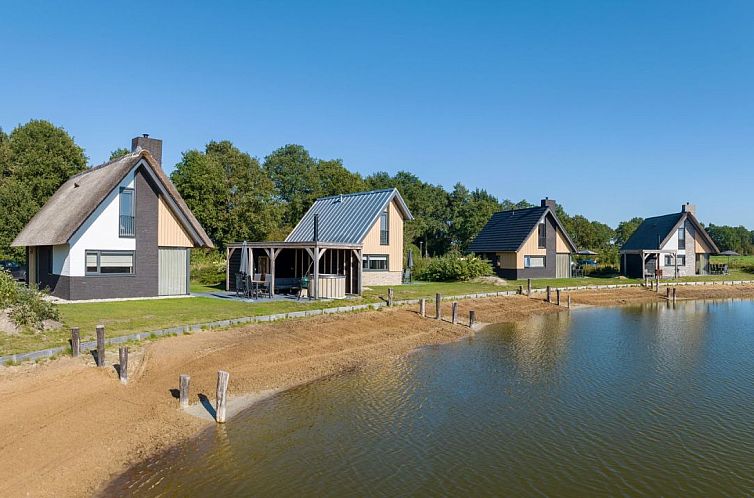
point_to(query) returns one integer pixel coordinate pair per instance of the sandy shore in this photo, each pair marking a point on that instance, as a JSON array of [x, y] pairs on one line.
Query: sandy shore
[[68, 427]]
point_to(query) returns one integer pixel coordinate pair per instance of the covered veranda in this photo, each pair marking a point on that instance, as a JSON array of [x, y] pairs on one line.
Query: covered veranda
[[650, 261], [333, 270]]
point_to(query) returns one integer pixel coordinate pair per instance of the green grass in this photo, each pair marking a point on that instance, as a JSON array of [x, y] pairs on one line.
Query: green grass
[[733, 261]]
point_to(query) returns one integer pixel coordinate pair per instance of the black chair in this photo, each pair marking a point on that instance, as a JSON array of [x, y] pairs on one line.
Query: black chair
[[240, 284]]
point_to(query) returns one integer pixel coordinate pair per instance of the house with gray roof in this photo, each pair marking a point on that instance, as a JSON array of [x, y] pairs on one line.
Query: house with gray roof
[[342, 243], [668, 246], [118, 230], [526, 243]]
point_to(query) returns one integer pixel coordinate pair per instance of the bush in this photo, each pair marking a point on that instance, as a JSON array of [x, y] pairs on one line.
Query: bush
[[451, 267], [207, 267], [27, 307]]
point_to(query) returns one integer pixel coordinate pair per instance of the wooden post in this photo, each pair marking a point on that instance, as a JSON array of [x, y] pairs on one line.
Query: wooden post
[[657, 280], [454, 312], [184, 381], [221, 396], [667, 293], [390, 296], [438, 303], [528, 287], [423, 307], [520, 290], [674, 289], [100, 345], [123, 364], [75, 342], [557, 296], [548, 294], [569, 301], [472, 318]]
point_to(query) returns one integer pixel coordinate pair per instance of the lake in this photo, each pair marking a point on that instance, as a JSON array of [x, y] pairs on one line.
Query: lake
[[641, 401]]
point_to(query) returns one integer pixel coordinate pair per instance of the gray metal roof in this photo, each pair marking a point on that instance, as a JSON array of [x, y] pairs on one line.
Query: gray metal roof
[[346, 218]]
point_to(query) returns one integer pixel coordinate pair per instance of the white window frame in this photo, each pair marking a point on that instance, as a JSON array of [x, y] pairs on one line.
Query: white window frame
[[99, 254], [367, 258], [528, 260]]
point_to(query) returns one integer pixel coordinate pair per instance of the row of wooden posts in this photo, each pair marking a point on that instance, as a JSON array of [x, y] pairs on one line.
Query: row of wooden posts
[[183, 381], [438, 310]]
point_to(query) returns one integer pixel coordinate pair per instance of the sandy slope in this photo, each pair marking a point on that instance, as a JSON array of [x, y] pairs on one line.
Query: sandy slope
[[66, 427]]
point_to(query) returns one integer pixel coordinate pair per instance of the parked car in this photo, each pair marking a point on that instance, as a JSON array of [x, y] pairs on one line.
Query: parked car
[[18, 271]]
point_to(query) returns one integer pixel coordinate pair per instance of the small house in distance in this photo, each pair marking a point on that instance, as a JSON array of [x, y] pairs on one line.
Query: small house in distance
[[668, 246], [342, 243], [118, 230], [526, 243]]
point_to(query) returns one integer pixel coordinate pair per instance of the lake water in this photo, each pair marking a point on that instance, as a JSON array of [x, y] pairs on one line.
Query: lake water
[[644, 400]]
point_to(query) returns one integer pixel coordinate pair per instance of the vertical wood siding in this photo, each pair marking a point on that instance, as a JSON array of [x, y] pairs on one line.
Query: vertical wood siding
[[395, 249], [173, 269], [530, 248], [170, 233], [561, 245]]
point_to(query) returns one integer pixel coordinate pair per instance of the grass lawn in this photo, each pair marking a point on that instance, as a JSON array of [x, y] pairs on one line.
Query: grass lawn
[[733, 261]]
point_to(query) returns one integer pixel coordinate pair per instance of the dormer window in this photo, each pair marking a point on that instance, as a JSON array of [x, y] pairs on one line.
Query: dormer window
[[126, 219]]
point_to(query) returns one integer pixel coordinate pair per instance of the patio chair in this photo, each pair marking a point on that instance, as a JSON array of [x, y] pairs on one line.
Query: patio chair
[[240, 284], [266, 287]]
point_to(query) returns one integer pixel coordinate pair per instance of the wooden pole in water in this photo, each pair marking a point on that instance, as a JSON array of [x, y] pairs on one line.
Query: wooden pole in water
[[557, 296], [438, 302], [390, 296], [472, 318], [454, 313], [123, 364], [184, 381], [221, 396], [569, 301], [528, 287], [549, 300], [100, 345], [667, 293], [423, 307], [75, 342], [674, 289]]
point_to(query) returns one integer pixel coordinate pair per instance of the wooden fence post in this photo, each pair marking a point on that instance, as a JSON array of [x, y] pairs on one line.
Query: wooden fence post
[[184, 381], [548, 294], [520, 290], [221, 396], [472, 318], [123, 364], [557, 296], [569, 301], [454, 313], [75, 342], [438, 303], [423, 307], [100, 345], [674, 289], [390, 296], [667, 293], [528, 287]]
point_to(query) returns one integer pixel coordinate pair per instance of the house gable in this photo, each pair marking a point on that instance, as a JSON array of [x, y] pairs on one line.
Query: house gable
[[394, 248], [170, 232]]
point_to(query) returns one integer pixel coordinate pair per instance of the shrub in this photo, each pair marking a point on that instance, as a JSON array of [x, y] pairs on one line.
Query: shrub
[[8, 289], [27, 306], [451, 267], [207, 267]]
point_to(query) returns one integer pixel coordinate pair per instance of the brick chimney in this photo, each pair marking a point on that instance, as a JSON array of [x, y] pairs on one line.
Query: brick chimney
[[689, 208], [153, 145], [547, 202]]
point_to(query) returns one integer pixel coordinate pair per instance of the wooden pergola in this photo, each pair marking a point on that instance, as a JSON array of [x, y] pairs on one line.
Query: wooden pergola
[[314, 259], [646, 253]]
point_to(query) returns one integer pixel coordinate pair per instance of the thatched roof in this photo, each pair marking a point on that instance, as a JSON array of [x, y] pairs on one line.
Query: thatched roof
[[80, 196]]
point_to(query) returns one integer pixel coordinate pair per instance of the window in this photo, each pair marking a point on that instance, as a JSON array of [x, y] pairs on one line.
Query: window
[[542, 236], [682, 238], [534, 261], [669, 260], [109, 262], [384, 229], [373, 262], [126, 228]]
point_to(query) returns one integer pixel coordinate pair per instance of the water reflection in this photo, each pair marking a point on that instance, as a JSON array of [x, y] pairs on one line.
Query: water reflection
[[649, 400]]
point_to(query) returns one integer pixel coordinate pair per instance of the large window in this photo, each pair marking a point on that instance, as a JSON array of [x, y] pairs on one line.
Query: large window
[[109, 262], [375, 262], [384, 229], [126, 228], [682, 238], [542, 236], [534, 261], [680, 258]]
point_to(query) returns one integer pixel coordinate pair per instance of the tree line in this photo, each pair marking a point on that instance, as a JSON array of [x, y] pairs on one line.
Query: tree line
[[236, 196]]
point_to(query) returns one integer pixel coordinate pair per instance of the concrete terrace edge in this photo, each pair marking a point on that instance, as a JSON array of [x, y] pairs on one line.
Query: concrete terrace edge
[[219, 324]]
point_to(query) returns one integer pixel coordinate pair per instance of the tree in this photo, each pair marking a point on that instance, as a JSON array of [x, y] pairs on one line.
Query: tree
[[118, 153], [35, 160], [470, 211], [228, 192], [728, 238], [291, 169], [625, 229], [332, 178]]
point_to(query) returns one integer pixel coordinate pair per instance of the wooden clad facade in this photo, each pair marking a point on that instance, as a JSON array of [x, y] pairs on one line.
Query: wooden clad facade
[[394, 248], [170, 233]]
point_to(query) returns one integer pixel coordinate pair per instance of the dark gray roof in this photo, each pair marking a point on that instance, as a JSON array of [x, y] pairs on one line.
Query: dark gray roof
[[71, 205], [346, 218], [652, 231], [508, 230]]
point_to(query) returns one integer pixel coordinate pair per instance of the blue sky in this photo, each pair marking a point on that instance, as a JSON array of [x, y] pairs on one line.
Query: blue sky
[[614, 108]]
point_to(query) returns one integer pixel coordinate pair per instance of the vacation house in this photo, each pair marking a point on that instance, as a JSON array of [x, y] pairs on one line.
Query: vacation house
[[668, 246], [342, 243], [117, 230], [526, 243]]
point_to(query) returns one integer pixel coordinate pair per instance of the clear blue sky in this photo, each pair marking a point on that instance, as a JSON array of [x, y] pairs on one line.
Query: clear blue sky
[[614, 108]]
